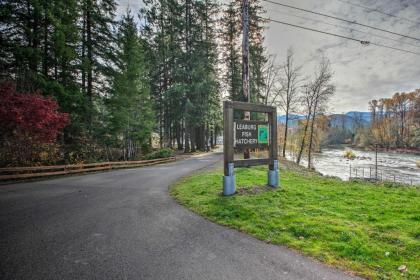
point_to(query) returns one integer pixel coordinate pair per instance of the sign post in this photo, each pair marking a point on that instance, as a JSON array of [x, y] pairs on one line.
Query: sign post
[[246, 134]]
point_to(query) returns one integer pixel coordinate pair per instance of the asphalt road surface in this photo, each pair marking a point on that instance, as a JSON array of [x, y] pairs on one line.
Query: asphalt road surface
[[124, 225]]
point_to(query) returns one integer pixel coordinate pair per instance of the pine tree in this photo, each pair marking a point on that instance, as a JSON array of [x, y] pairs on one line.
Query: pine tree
[[96, 48], [257, 53], [40, 53], [231, 34], [231, 53], [200, 69], [163, 31], [181, 36], [20, 41], [129, 106]]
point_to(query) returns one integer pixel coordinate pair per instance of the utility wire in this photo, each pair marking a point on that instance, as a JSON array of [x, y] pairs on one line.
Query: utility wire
[[378, 11], [348, 28], [341, 19], [365, 43]]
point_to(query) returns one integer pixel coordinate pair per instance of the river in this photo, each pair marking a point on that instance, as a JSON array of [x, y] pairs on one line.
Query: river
[[391, 166]]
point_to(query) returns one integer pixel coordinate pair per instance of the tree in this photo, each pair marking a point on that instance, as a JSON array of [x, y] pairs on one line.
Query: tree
[[231, 24], [130, 118], [96, 48], [231, 54], [289, 94], [27, 120], [257, 51], [314, 99], [394, 122], [321, 90], [184, 82], [40, 47], [307, 101]]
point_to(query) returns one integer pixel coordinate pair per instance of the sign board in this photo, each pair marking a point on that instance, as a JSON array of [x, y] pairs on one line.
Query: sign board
[[241, 134], [250, 134], [247, 134]]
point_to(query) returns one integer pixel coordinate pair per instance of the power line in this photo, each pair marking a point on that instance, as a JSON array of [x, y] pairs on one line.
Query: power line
[[392, 48], [378, 11], [365, 43], [348, 28], [341, 19]]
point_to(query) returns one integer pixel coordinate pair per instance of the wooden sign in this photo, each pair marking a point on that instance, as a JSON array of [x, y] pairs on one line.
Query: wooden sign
[[246, 134], [250, 134]]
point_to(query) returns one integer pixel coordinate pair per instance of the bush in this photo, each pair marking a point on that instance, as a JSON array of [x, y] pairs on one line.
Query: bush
[[162, 153], [349, 154], [29, 124]]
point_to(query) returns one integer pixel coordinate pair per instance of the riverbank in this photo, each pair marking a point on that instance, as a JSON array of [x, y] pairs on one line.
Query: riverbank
[[366, 228], [392, 166], [414, 151]]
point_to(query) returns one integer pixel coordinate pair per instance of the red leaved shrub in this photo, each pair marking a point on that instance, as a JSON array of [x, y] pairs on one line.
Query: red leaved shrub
[[27, 121]]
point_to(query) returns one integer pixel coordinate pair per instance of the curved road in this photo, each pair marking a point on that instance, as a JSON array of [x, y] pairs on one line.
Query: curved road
[[124, 225]]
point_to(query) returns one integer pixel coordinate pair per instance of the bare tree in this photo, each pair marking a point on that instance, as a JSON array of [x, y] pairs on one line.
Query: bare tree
[[271, 76], [288, 93], [307, 101], [321, 90]]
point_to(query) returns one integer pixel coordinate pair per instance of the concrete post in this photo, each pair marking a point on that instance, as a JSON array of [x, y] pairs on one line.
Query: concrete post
[[273, 175], [229, 181]]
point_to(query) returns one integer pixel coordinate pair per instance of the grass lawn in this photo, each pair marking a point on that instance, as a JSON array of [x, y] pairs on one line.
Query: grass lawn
[[357, 226]]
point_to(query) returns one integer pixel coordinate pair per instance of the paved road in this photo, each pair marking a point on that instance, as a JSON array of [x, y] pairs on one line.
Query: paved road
[[124, 225]]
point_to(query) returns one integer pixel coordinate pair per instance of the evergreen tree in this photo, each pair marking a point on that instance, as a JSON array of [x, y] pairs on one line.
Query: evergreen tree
[[183, 77], [40, 53], [257, 53], [163, 31], [232, 32], [21, 41], [130, 119], [96, 48], [231, 53]]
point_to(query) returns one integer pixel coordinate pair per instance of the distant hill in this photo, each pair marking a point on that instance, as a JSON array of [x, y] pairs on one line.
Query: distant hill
[[366, 116], [293, 120], [349, 120]]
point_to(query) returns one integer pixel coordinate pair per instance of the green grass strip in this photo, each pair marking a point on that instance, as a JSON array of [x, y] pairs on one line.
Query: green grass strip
[[358, 226]]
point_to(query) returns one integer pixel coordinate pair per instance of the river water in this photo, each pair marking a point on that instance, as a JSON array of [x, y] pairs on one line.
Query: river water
[[391, 166]]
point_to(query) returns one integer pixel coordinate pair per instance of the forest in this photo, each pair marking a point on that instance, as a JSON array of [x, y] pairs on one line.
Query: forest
[[395, 122], [80, 84], [107, 87]]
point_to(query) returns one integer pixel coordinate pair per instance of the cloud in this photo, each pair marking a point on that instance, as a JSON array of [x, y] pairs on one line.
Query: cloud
[[361, 72]]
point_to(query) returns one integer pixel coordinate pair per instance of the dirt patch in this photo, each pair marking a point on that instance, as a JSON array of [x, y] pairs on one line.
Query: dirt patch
[[253, 190]]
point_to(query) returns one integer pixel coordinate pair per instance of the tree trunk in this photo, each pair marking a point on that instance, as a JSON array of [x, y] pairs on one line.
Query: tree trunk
[[245, 62], [178, 136], [45, 55], [302, 144], [285, 133], [192, 138], [83, 54], [311, 135], [89, 57], [187, 138]]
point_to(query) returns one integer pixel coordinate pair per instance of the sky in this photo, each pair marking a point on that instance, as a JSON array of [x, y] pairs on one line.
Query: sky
[[361, 73]]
